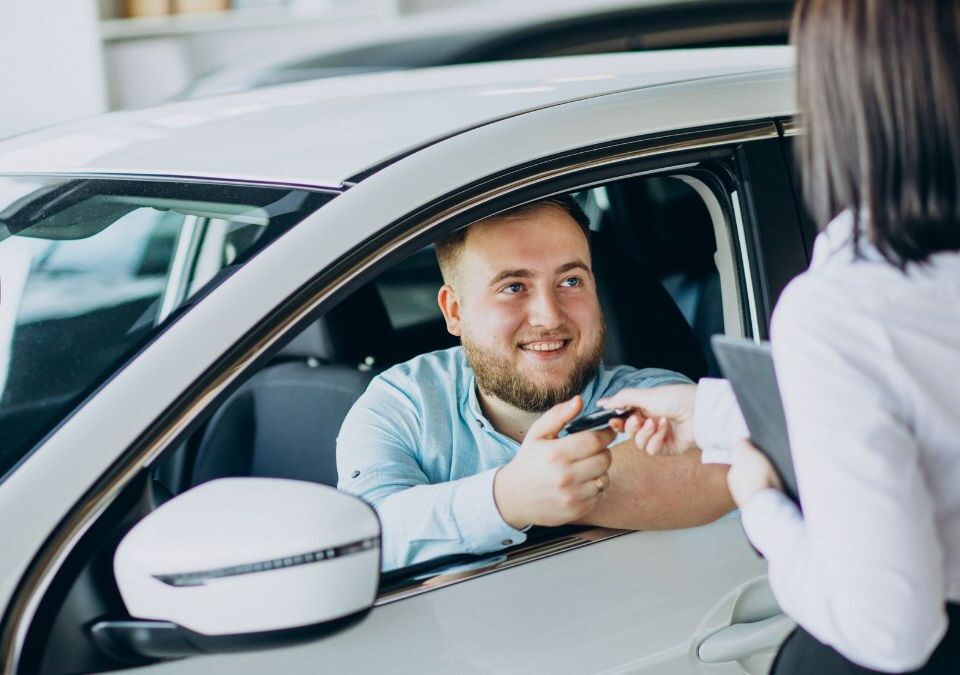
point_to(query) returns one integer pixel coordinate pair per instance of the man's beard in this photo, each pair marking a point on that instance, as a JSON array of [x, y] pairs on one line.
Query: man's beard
[[497, 376]]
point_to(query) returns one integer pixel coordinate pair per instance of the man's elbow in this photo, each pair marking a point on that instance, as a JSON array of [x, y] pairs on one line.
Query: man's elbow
[[664, 493], [703, 500]]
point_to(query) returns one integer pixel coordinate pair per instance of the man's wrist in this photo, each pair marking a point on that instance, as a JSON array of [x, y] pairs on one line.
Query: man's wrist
[[502, 499]]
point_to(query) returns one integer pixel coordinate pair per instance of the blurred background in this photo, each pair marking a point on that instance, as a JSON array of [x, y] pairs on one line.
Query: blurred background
[[66, 59]]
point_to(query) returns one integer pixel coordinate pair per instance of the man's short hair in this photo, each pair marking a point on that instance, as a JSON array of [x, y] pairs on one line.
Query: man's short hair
[[450, 247]]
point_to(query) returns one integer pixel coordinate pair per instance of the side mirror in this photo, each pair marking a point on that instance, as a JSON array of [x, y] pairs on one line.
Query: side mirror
[[243, 563]]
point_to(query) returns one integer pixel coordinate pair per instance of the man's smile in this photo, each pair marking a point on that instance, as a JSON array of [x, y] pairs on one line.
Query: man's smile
[[547, 349], [544, 345]]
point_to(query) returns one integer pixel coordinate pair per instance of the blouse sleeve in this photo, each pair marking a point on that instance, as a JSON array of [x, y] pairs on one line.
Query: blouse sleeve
[[861, 570]]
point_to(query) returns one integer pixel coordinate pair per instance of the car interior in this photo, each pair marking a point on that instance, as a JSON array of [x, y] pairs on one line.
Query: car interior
[[283, 422], [656, 246]]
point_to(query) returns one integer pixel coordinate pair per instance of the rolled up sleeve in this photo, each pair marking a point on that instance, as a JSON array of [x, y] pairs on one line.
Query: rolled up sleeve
[[377, 453], [717, 422]]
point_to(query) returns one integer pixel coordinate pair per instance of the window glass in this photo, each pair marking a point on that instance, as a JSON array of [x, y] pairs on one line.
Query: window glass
[[91, 268], [409, 290]]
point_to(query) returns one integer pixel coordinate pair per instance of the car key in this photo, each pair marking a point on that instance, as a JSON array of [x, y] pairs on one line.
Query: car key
[[596, 420]]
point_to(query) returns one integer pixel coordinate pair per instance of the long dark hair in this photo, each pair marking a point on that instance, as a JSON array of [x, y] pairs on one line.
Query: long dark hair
[[878, 83]]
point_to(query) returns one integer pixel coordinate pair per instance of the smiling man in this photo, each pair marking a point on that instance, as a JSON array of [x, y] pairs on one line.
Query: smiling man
[[458, 450]]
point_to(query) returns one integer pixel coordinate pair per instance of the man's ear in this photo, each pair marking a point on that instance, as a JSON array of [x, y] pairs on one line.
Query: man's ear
[[450, 306]]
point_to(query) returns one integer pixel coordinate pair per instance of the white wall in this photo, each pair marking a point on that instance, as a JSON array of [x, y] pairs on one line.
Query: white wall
[[152, 59], [59, 62], [51, 63], [410, 6]]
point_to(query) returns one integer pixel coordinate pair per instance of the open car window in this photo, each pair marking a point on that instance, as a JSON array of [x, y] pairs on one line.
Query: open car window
[[661, 244], [667, 232], [93, 268]]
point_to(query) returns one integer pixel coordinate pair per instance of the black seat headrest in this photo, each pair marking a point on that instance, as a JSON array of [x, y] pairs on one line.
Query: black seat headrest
[[356, 331], [676, 225], [645, 328]]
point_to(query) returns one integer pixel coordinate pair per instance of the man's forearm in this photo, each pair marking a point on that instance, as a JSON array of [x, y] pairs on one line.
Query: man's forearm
[[427, 521], [660, 493]]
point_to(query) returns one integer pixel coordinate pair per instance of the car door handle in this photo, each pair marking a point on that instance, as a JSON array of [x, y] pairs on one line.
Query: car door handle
[[743, 639]]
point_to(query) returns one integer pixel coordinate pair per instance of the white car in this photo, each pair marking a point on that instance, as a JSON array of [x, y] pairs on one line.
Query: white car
[[192, 296]]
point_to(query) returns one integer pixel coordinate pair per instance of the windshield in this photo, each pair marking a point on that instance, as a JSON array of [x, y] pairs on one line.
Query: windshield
[[92, 269]]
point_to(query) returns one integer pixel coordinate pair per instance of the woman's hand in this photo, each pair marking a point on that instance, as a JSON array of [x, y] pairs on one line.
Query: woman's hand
[[750, 473], [662, 421]]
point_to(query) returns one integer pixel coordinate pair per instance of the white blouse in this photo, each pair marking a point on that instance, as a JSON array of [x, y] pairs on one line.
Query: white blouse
[[868, 362]]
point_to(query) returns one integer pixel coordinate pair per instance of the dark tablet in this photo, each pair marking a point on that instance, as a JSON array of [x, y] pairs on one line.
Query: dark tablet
[[748, 366]]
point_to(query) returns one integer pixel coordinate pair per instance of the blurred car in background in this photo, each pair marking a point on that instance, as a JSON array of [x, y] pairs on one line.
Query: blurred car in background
[[502, 31]]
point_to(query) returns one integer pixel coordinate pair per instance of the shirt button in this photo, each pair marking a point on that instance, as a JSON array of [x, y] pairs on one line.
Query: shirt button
[[506, 542], [354, 474]]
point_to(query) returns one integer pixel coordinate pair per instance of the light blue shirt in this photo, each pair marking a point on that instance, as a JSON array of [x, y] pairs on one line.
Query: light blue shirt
[[417, 447]]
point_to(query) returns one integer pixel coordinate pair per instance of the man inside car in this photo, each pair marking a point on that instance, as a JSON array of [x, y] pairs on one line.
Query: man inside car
[[458, 450]]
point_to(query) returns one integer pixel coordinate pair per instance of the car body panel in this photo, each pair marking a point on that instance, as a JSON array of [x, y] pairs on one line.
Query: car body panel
[[83, 448], [657, 598], [324, 133]]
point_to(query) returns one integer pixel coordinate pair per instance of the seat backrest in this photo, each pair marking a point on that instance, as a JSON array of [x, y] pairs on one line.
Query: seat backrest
[[655, 259], [645, 328], [283, 423]]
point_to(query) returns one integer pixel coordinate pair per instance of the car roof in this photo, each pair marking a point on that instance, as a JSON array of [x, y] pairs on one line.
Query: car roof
[[325, 133], [478, 33]]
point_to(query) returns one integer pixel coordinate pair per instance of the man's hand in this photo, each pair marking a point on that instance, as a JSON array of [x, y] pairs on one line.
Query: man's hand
[[554, 481], [662, 421]]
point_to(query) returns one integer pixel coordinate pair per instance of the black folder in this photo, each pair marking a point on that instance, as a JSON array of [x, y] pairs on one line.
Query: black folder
[[748, 366]]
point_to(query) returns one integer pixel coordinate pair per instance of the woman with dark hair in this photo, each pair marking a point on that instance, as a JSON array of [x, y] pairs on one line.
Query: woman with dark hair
[[867, 349]]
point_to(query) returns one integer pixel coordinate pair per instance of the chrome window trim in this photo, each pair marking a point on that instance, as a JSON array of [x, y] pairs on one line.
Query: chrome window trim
[[499, 561], [791, 127], [49, 560], [747, 267], [179, 178]]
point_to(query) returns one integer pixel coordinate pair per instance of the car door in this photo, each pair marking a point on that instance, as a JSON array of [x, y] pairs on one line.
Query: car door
[[683, 601]]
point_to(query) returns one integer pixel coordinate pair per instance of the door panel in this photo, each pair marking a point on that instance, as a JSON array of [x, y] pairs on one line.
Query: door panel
[[639, 603]]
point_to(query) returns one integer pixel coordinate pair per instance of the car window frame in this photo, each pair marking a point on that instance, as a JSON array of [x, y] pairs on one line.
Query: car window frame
[[740, 320]]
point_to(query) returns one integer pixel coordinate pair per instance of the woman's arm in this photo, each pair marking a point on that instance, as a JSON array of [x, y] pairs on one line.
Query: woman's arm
[[862, 569]]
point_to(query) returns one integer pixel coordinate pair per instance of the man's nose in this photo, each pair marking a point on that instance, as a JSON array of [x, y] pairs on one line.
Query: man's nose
[[545, 310]]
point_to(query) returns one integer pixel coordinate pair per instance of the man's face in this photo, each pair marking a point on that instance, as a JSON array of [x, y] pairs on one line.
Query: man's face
[[525, 307]]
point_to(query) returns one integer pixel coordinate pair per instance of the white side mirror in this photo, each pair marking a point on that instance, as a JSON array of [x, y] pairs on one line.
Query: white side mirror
[[243, 562]]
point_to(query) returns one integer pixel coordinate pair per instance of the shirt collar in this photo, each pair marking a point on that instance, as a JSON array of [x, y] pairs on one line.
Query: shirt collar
[[835, 242], [474, 412]]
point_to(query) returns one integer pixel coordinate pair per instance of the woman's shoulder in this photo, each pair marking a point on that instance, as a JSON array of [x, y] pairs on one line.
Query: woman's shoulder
[[829, 305]]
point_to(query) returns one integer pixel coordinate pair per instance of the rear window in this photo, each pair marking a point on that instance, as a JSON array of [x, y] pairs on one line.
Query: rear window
[[92, 269]]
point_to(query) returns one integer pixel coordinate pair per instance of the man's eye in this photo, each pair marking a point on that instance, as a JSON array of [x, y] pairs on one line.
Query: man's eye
[[572, 282], [512, 288]]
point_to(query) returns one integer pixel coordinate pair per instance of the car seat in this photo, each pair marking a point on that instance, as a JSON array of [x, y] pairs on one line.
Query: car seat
[[645, 328], [283, 422], [659, 232]]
